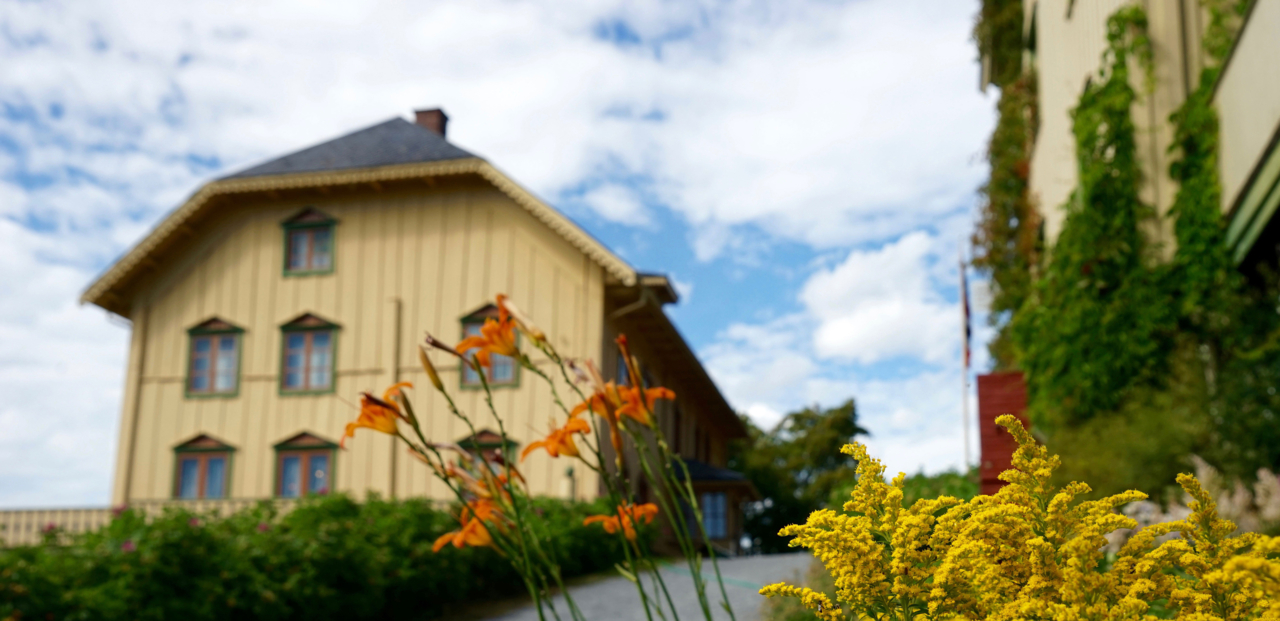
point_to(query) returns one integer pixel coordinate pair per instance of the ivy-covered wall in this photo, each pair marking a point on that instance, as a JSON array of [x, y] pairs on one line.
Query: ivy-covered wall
[[1133, 362]]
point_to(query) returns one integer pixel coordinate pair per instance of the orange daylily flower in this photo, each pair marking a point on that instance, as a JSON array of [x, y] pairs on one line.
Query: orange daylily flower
[[633, 374], [639, 403], [522, 320], [377, 414], [605, 402], [485, 487], [626, 519], [472, 531], [496, 337], [639, 400], [559, 441]]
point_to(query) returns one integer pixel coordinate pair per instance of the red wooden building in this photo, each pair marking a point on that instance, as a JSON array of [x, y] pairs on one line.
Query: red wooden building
[[998, 394]]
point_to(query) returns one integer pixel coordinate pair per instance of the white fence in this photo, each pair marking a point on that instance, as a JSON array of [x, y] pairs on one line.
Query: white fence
[[26, 526]]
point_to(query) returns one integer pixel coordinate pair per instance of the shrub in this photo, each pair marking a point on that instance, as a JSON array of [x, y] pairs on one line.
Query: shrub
[[330, 558], [1032, 550]]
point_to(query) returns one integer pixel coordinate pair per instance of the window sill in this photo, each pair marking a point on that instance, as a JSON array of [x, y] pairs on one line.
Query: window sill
[[305, 393], [289, 273], [491, 386], [212, 395]]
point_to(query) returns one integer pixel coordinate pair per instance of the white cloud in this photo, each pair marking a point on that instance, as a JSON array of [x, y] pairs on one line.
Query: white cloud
[[874, 305], [811, 121], [61, 371], [880, 304], [763, 415], [815, 121], [617, 203]]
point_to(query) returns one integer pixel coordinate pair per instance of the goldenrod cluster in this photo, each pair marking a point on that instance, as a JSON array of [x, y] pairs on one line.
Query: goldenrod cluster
[[1031, 551]]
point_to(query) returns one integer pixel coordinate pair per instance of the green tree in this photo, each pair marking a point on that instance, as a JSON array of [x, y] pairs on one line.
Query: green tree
[[795, 466]]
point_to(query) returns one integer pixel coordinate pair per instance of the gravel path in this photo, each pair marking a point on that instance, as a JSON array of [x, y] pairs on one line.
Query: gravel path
[[616, 598]]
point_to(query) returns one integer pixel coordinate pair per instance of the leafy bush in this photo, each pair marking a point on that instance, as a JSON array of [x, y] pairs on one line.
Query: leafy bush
[[330, 558]]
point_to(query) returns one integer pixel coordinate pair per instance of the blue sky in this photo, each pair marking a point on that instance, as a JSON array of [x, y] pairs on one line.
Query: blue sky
[[804, 169]]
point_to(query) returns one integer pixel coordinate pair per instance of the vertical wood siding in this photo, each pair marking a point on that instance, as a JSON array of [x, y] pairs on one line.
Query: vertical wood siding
[[437, 253]]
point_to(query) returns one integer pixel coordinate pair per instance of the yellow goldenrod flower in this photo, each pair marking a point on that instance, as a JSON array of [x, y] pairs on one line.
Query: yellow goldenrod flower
[[1030, 551], [813, 600]]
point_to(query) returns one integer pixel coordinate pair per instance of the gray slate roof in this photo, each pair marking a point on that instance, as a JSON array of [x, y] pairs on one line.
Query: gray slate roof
[[395, 141]]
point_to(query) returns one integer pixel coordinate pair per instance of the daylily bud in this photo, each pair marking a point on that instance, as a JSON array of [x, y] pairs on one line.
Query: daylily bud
[[522, 320], [429, 368], [432, 341], [579, 376]]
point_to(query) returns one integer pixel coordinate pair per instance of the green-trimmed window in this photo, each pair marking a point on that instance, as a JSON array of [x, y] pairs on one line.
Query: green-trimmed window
[[489, 448], [307, 359], [213, 367], [304, 466], [202, 469], [308, 243], [503, 370], [715, 514]]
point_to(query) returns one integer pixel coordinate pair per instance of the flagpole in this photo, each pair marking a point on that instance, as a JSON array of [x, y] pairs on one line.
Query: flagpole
[[964, 413], [964, 360]]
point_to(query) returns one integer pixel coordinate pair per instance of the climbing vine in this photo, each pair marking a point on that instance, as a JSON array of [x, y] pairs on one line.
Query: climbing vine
[[1095, 323], [1233, 324], [998, 34], [1007, 241], [1133, 362]]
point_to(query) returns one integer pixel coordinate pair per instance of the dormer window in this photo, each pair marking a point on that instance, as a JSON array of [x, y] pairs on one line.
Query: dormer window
[[308, 241], [489, 448], [307, 361], [213, 368], [502, 370]]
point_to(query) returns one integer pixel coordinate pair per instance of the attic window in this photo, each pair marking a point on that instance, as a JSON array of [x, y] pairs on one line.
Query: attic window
[[202, 465], [307, 360], [489, 447], [502, 370], [213, 367], [308, 242]]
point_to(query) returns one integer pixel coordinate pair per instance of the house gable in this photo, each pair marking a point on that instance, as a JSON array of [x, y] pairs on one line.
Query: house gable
[[351, 168]]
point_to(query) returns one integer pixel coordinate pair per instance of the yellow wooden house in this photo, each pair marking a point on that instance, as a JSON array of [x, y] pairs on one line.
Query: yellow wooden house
[[267, 302]]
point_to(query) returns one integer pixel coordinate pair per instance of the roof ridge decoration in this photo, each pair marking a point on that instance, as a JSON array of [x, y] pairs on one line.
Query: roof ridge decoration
[[100, 291]]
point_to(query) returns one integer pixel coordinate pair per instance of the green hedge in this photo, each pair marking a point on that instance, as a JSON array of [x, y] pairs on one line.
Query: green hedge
[[330, 558]]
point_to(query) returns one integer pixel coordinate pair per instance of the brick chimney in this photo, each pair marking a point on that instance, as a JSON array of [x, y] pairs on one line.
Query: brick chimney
[[433, 119]]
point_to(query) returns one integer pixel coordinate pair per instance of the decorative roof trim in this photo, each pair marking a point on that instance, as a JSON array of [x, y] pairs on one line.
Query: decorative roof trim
[[101, 289]]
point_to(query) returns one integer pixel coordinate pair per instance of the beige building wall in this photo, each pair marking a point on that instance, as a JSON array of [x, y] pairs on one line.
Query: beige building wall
[[405, 263], [1069, 52], [1248, 101]]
